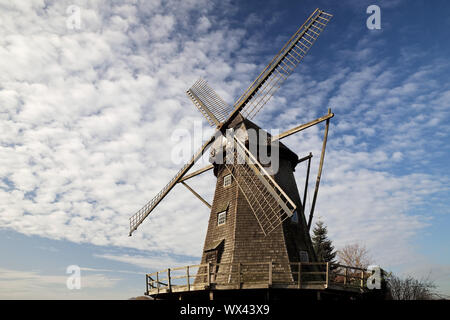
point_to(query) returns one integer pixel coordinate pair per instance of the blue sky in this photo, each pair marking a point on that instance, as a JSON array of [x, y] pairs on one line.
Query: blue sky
[[90, 118]]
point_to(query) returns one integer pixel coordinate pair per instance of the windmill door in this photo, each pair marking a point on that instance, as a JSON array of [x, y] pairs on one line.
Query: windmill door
[[213, 254]]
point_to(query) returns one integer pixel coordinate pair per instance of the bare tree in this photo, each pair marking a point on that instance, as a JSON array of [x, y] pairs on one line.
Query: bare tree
[[410, 288], [354, 255]]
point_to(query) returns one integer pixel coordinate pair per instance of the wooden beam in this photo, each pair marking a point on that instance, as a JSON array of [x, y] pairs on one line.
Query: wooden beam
[[306, 185], [303, 127], [196, 173], [140, 216], [196, 194], [319, 173], [309, 156]]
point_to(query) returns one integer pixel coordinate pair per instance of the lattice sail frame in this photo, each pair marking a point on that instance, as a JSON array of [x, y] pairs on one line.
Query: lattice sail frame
[[209, 103], [268, 202], [140, 215], [283, 64]]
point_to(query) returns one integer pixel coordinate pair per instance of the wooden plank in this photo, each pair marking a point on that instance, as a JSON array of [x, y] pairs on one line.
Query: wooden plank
[[309, 156], [196, 173], [319, 173], [302, 127], [196, 194], [188, 279], [140, 216], [362, 279], [350, 267], [305, 192], [169, 280]]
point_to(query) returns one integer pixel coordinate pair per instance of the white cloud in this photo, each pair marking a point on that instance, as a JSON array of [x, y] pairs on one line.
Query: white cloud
[[16, 284], [204, 24], [150, 263], [161, 26], [83, 121]]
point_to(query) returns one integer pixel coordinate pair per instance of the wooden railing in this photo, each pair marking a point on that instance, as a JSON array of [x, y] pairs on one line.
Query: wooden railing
[[264, 274]]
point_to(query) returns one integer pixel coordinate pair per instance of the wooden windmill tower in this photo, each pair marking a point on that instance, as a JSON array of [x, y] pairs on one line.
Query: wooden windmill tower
[[257, 214]]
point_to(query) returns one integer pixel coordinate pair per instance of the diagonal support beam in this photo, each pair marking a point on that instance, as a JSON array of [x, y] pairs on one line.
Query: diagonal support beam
[[139, 217], [305, 192], [302, 127], [196, 173], [319, 173], [196, 194], [308, 157]]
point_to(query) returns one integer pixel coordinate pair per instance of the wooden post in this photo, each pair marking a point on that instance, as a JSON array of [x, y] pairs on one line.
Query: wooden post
[[196, 173], [346, 276], [168, 280], [306, 184], [157, 281], [188, 280], [146, 284], [362, 279], [299, 280], [319, 173], [327, 276]]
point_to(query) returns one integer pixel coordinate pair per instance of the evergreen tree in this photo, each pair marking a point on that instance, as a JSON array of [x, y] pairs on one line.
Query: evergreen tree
[[322, 245]]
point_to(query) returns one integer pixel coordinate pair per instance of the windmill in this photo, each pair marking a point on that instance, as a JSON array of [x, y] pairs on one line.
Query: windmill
[[257, 213]]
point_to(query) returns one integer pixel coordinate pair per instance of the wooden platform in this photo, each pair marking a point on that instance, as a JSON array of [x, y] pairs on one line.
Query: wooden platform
[[320, 277]]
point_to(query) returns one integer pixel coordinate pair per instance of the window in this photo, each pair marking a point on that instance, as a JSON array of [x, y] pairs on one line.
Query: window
[[227, 180], [304, 256], [221, 218]]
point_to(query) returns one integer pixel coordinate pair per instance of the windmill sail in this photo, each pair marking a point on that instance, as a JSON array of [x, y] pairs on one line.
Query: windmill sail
[[282, 65], [140, 216], [210, 104], [269, 203]]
